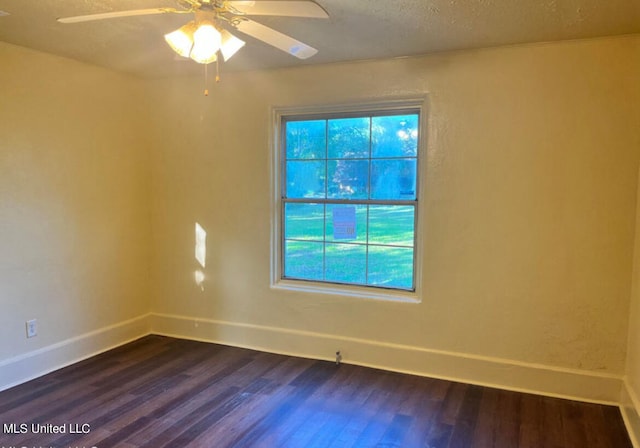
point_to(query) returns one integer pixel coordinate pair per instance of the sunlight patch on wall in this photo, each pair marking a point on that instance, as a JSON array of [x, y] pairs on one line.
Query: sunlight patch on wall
[[201, 254], [201, 245]]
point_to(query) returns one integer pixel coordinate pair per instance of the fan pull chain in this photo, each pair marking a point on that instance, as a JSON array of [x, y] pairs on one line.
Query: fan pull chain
[[206, 76], [206, 91]]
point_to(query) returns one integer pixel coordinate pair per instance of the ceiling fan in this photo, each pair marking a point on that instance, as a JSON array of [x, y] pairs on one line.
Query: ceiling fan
[[202, 38]]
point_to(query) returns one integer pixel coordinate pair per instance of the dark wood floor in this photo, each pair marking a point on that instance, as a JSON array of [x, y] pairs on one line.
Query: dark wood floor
[[162, 392]]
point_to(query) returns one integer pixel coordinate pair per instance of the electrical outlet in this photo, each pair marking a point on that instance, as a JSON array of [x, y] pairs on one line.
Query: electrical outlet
[[32, 328]]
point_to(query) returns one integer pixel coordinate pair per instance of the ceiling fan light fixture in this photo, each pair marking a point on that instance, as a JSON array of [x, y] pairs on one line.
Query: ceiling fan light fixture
[[181, 40], [202, 38], [206, 43], [230, 44]]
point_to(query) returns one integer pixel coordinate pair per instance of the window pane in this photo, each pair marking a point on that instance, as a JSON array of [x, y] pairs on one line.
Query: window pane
[[306, 139], [349, 138], [305, 180], [361, 223], [303, 260], [391, 224], [391, 267], [393, 179], [394, 136], [304, 221], [346, 263], [349, 187], [348, 179]]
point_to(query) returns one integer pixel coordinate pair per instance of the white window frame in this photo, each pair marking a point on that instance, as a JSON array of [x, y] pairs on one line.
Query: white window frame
[[360, 291]]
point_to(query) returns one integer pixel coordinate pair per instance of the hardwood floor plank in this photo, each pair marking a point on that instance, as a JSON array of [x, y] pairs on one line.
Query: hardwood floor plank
[[197, 388], [616, 433], [507, 431], [304, 385], [217, 414], [462, 436], [174, 431], [379, 415], [396, 432], [327, 433], [552, 422], [424, 413], [439, 435], [364, 383], [332, 407], [484, 434], [452, 403], [531, 424], [162, 392], [125, 432], [575, 435]]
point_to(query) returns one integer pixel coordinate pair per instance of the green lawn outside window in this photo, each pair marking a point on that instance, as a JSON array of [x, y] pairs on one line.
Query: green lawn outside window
[[349, 198]]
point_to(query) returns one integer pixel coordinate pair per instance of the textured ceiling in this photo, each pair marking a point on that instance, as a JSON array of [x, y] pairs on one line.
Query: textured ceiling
[[355, 30]]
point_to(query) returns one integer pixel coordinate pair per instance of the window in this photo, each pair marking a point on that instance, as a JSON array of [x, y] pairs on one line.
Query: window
[[348, 197]]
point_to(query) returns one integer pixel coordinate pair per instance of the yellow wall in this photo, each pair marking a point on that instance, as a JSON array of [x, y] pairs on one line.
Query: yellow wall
[[631, 392], [530, 201], [74, 219], [531, 174], [630, 396]]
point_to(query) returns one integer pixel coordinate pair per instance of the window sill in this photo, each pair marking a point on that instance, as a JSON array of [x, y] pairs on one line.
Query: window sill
[[361, 292]]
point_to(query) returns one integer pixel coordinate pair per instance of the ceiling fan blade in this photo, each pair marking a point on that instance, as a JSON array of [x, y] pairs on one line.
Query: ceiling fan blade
[[281, 8], [277, 39], [115, 14]]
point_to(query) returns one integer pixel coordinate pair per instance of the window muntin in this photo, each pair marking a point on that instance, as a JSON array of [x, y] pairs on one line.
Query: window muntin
[[349, 198]]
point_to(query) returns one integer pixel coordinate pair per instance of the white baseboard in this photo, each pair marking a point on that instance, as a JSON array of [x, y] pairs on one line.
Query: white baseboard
[[486, 371], [22, 368], [472, 369], [630, 409]]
